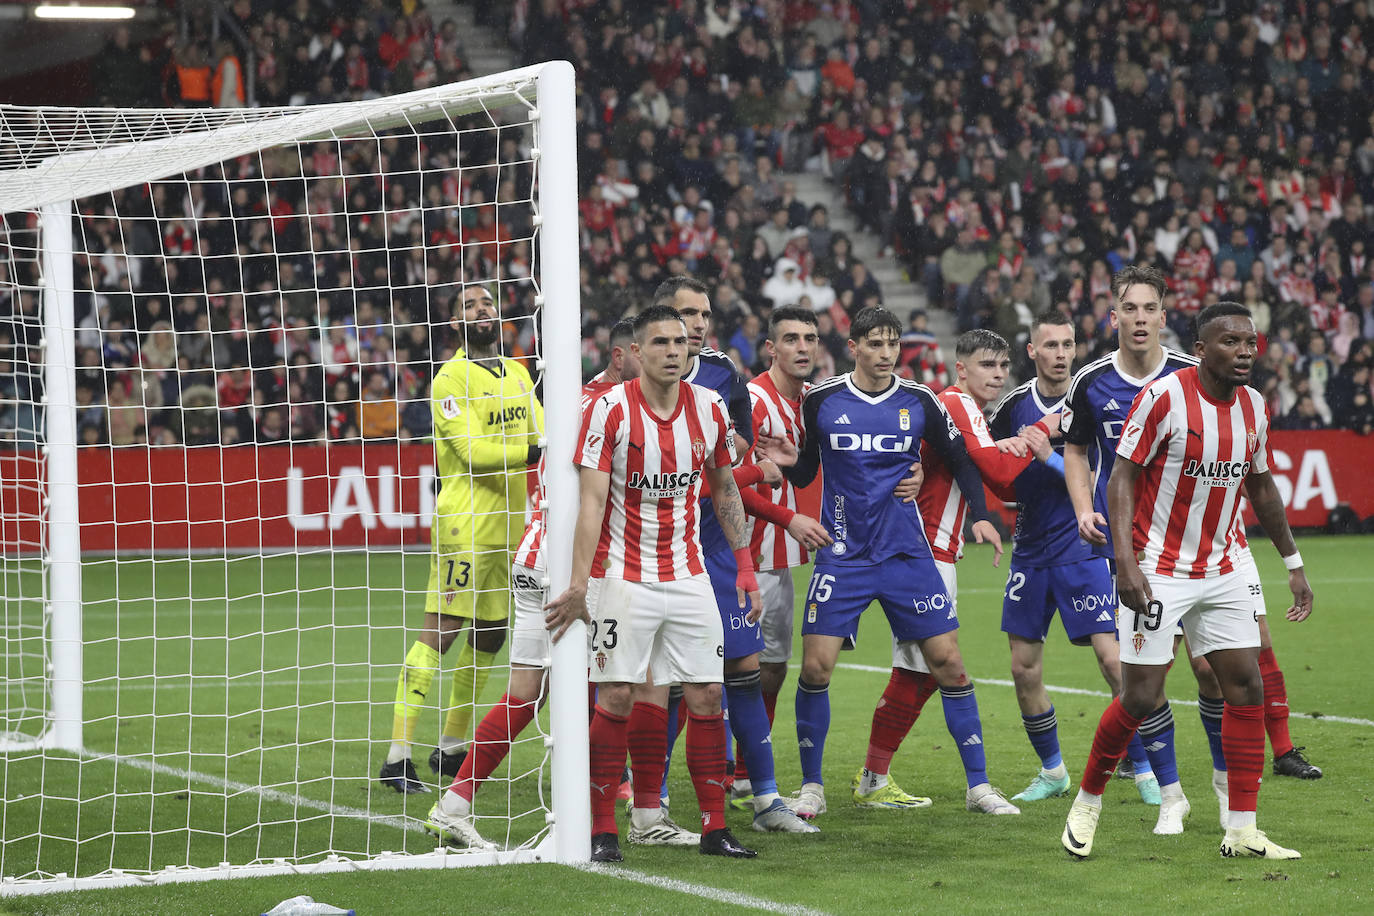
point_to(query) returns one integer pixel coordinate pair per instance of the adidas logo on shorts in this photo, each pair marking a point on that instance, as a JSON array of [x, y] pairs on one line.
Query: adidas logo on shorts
[[1104, 617]]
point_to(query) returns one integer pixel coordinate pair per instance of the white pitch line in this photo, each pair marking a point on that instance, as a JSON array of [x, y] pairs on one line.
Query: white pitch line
[[298, 801], [272, 795], [704, 891], [1078, 691]]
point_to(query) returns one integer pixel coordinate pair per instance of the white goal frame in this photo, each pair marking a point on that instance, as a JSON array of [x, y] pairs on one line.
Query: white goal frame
[[52, 186]]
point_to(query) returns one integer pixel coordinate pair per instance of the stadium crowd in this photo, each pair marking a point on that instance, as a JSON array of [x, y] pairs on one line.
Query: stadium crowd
[[1012, 154]]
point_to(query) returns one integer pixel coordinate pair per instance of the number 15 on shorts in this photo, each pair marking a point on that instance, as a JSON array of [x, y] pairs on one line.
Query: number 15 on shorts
[[818, 593]]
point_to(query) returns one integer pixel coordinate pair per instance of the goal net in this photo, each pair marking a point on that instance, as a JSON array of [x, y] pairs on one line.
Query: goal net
[[218, 476]]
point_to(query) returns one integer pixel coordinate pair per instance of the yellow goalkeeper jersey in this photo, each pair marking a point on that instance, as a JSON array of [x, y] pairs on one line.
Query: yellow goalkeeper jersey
[[486, 417]]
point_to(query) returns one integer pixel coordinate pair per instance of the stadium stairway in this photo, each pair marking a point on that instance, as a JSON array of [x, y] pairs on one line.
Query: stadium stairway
[[489, 51], [899, 293]]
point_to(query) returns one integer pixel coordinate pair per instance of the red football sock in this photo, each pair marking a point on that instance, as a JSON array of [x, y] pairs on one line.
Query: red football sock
[[897, 710], [706, 763], [607, 738], [770, 703], [1275, 703], [648, 744], [491, 743], [741, 768], [1114, 732], [1242, 741]]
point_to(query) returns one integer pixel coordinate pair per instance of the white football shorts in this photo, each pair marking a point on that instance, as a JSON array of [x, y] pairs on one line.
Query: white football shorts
[[908, 654], [775, 586], [672, 626], [1215, 613], [529, 640]]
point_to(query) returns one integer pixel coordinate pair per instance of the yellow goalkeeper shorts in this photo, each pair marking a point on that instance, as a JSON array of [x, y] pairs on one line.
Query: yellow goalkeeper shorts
[[474, 584]]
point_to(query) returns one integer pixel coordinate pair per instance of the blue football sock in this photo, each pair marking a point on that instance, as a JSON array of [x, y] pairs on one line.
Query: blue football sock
[[1210, 710], [1157, 734], [1043, 731], [961, 718], [729, 745], [749, 724], [674, 702], [813, 722], [1140, 761]]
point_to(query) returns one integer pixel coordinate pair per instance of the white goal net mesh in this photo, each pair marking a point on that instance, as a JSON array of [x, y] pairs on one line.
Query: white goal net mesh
[[260, 300]]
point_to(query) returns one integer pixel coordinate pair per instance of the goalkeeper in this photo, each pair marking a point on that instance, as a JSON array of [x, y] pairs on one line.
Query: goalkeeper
[[487, 423]]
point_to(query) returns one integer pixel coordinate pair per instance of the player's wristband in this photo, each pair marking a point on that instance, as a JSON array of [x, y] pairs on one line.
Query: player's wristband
[[1055, 462], [745, 579], [1292, 561], [1040, 425]]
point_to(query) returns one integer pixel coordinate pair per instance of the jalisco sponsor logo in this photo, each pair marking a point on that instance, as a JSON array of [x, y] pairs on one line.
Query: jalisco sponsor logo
[[665, 486]]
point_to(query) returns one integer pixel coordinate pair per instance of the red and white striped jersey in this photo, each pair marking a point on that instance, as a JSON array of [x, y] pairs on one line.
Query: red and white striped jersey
[[1196, 454], [652, 528], [775, 415], [530, 552], [940, 500]]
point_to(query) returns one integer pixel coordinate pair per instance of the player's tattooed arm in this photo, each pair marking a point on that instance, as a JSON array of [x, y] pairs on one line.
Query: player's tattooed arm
[[730, 512], [572, 604], [1268, 505], [1131, 586]]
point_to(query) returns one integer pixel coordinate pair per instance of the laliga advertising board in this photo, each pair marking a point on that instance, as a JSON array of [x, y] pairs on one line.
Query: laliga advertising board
[[382, 496]]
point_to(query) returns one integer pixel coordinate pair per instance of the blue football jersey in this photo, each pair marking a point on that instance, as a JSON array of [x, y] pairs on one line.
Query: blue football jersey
[[1046, 528], [1099, 400], [864, 444], [716, 371]]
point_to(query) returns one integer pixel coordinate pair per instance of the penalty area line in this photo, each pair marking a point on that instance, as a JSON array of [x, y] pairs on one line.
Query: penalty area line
[[704, 891], [1079, 691]]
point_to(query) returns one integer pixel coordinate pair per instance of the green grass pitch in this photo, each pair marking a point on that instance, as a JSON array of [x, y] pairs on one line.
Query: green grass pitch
[[271, 711]]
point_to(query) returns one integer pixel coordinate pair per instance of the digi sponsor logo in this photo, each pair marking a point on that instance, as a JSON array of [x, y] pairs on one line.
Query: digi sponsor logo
[[1217, 473], [867, 442]]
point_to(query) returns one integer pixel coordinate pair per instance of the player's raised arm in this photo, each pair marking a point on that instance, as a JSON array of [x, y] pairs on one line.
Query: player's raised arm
[[730, 512], [1078, 478], [798, 466], [946, 439], [1131, 586]]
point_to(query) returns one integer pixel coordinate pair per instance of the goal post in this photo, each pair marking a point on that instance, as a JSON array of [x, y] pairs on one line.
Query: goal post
[[208, 590]]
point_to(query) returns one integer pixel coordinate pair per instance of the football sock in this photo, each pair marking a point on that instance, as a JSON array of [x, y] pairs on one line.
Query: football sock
[[1114, 731], [1242, 735], [1209, 709], [706, 764], [961, 718], [421, 664], [491, 743], [729, 745], [1275, 703], [770, 703], [749, 723], [1157, 734], [647, 740], [1140, 761], [1043, 731], [607, 738], [677, 721], [813, 722], [474, 666], [897, 710]]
